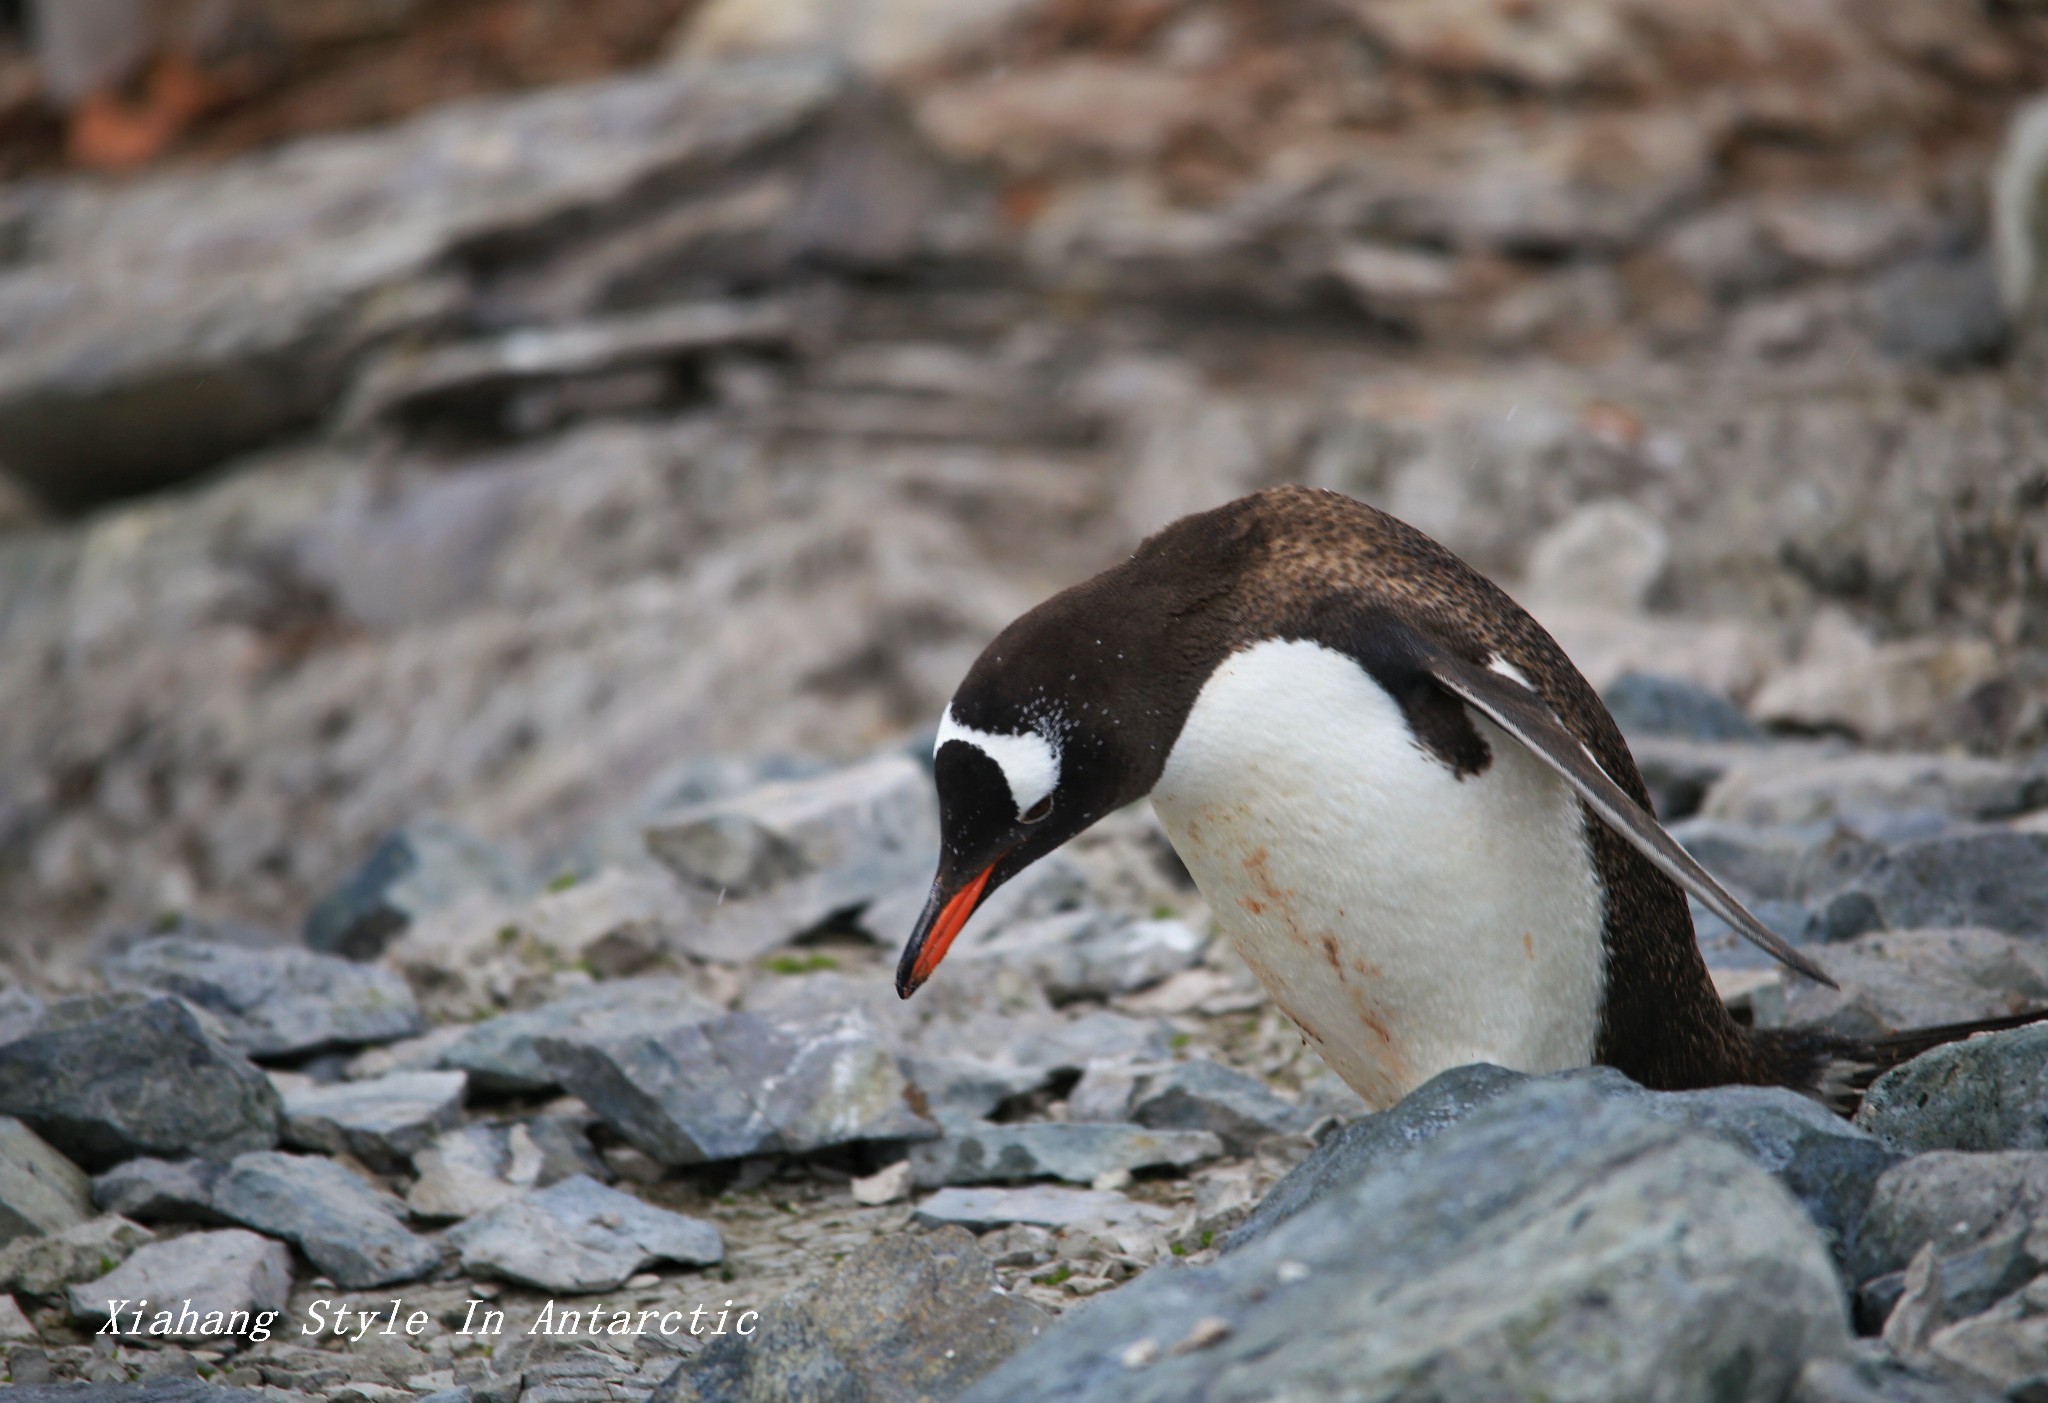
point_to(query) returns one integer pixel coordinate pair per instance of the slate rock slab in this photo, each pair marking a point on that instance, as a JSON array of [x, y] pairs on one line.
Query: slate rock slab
[[1776, 784], [43, 1266], [1957, 1201], [580, 1236], [1997, 880], [1087, 954], [1650, 705], [1350, 1152], [472, 1170], [274, 1003], [1556, 1243], [970, 1153], [1039, 1205], [382, 1121], [776, 861], [160, 1190], [345, 1227], [741, 1085], [1987, 1093], [106, 1079], [1828, 1166], [1896, 979], [502, 1054], [129, 360], [41, 1192], [903, 1319], [223, 1271], [1238, 1108], [968, 1087], [421, 868]]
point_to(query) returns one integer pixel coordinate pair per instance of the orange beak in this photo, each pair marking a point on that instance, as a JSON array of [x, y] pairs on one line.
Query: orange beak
[[936, 928]]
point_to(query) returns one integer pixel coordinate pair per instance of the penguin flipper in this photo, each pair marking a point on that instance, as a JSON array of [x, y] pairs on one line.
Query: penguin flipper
[[1528, 718]]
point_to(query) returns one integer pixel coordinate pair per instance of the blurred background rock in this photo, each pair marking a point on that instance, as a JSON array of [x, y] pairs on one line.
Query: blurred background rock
[[485, 406]]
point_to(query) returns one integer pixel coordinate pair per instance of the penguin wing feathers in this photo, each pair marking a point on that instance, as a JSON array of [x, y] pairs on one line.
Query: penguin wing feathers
[[1528, 718]]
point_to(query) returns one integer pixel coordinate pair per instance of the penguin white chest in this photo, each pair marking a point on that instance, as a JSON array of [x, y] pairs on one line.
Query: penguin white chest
[[1407, 919]]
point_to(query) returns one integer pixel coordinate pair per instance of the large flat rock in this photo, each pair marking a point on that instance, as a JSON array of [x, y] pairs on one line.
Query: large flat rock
[[1556, 1243], [741, 1085], [158, 326], [274, 1003], [107, 1078], [579, 1236], [907, 1317], [1829, 1166]]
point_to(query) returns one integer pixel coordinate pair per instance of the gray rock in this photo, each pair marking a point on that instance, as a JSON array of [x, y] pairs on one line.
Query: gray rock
[[904, 1318], [967, 1087], [565, 1149], [345, 1227], [741, 1085], [526, 382], [1048, 887], [502, 1053], [1087, 954], [1762, 862], [1994, 880], [382, 1122], [1557, 1241], [128, 360], [1987, 1093], [107, 1079], [1203, 1095], [224, 1271], [969, 1153], [778, 860], [1955, 1200], [43, 1266], [472, 1170], [160, 1190], [1877, 1380], [1777, 788], [421, 868], [1940, 311], [41, 1192], [469, 1171], [1648, 705], [274, 1003], [1680, 773], [1893, 980], [1830, 1167], [1350, 1152], [580, 1236], [20, 1012], [1039, 1205], [1964, 1283], [1071, 1044]]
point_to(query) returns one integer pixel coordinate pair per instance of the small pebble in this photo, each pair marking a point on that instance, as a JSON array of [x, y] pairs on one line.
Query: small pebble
[[1209, 1330]]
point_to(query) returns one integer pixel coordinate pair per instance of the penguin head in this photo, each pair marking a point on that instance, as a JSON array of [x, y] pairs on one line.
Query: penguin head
[[1026, 759], [1071, 711]]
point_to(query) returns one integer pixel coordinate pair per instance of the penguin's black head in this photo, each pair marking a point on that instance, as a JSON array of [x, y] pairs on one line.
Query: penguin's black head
[[1048, 734], [1069, 715]]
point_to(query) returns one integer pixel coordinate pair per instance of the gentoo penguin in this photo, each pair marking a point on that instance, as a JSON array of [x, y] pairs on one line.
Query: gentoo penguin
[[1404, 805]]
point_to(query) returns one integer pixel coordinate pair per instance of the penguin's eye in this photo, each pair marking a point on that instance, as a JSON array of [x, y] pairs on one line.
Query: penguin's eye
[[1038, 810]]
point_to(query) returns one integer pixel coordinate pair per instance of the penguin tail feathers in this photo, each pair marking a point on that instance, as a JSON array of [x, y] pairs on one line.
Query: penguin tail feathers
[[1837, 1070]]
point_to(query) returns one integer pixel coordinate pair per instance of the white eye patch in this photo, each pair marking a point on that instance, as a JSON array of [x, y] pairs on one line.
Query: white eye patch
[[1030, 762]]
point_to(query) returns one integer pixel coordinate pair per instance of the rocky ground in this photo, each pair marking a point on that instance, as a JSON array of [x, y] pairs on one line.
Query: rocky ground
[[458, 823]]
